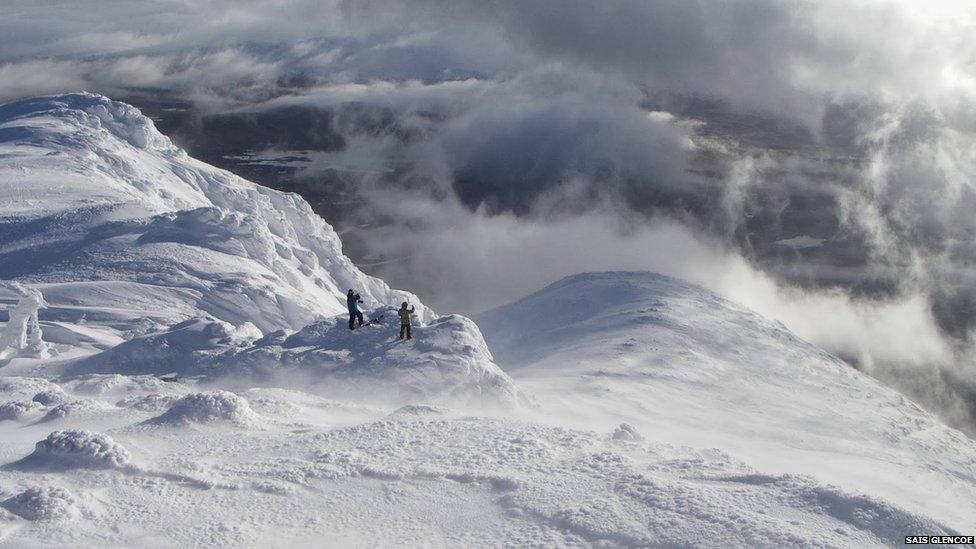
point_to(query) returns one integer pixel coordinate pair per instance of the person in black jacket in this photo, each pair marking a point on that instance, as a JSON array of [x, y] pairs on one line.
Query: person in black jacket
[[352, 301]]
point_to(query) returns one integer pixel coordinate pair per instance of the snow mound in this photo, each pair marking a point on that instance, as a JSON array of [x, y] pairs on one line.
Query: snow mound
[[17, 409], [104, 384], [182, 348], [208, 407], [48, 503], [276, 337], [25, 387], [100, 116], [415, 412], [74, 449], [627, 432], [153, 402], [446, 362], [302, 407], [51, 397], [83, 407]]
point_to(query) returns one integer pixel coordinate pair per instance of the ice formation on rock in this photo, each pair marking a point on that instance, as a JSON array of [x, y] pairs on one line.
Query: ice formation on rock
[[22, 335]]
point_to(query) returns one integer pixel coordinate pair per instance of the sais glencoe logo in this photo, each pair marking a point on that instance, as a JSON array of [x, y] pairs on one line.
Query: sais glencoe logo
[[940, 540]]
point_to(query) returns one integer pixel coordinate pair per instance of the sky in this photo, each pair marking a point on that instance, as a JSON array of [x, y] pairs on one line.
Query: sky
[[490, 147]]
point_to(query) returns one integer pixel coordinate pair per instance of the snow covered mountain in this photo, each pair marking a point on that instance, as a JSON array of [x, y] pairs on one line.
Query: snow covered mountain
[[637, 410], [113, 222], [126, 238], [678, 361]]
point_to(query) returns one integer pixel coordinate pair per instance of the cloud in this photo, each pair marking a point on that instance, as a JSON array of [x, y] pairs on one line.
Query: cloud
[[784, 57], [38, 77], [238, 75], [460, 260]]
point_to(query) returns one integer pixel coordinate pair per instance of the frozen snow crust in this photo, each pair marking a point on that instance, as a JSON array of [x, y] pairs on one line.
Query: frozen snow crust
[[596, 490]]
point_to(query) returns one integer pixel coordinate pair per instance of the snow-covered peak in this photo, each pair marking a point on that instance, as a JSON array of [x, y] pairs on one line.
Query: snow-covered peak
[[111, 221], [571, 312], [95, 112], [676, 360]]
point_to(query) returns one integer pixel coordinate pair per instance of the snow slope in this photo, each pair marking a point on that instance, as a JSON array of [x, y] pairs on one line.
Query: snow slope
[[687, 367], [113, 222], [657, 414], [274, 468]]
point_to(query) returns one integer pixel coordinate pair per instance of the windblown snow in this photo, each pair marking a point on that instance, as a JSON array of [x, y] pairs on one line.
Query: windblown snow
[[176, 370]]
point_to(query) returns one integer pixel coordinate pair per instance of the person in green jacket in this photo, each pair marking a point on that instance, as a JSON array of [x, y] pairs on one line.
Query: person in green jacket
[[404, 315]]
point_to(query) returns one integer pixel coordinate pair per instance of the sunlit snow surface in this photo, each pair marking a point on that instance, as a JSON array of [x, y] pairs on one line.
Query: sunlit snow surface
[[636, 410]]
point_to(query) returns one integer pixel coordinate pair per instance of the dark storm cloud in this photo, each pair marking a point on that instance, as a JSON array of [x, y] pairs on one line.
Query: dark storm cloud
[[764, 54], [675, 45], [508, 154]]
